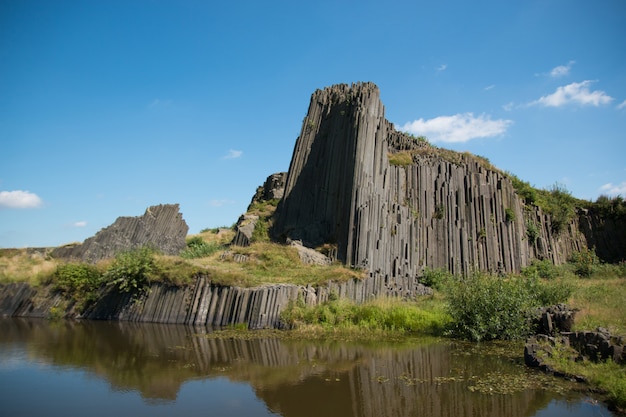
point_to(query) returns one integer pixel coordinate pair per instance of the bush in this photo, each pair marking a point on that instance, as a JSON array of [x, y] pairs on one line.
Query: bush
[[509, 215], [261, 231], [77, 278], [199, 248], [560, 205], [78, 281], [523, 189], [610, 207], [532, 232], [130, 270], [436, 278], [540, 269], [585, 262], [485, 307]]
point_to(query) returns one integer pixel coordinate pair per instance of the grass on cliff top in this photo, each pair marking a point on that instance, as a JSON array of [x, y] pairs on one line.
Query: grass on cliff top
[[269, 263], [19, 265]]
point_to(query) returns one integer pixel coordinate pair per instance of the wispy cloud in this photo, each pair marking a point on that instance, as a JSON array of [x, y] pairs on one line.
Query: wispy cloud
[[233, 154], [622, 105], [561, 70], [457, 128], [509, 106], [614, 189], [574, 93], [441, 67], [19, 199], [490, 87], [220, 203], [81, 223]]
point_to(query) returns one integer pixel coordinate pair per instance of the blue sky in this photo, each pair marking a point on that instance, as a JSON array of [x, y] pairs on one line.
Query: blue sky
[[108, 107]]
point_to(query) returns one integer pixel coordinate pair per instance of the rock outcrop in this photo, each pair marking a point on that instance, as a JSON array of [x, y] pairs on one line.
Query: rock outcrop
[[442, 209], [272, 189], [161, 227]]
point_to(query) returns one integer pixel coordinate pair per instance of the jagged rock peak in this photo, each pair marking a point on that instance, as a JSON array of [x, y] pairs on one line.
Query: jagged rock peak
[[161, 227], [339, 93]]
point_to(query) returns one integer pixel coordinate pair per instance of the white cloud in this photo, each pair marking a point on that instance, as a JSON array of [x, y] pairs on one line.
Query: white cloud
[[561, 70], [622, 105], [614, 189], [81, 223], [233, 154], [508, 106], [457, 128], [441, 67], [576, 93], [490, 87], [19, 199]]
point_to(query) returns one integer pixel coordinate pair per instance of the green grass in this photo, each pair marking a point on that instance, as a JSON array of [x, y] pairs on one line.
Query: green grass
[[400, 158], [373, 319], [18, 265], [271, 263]]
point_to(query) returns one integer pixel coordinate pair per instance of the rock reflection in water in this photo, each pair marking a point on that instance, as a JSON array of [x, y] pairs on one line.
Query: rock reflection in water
[[293, 378]]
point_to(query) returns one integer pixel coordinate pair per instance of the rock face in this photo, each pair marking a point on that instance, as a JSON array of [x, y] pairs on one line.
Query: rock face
[[272, 189], [161, 227], [441, 210]]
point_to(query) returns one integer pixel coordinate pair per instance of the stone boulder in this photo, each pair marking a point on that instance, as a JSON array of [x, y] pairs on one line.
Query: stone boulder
[[244, 229], [161, 227], [308, 255]]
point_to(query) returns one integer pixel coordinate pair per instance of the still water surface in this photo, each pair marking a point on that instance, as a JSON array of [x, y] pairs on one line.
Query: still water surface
[[122, 369]]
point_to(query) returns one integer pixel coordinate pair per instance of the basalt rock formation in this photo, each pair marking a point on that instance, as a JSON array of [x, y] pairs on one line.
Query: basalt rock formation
[[440, 209], [162, 227]]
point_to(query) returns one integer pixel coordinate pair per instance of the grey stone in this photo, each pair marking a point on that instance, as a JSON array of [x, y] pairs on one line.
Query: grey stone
[[161, 227], [308, 255], [245, 229]]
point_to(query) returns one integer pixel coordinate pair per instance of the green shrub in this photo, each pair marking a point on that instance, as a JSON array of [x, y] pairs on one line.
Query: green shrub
[[130, 270], [486, 307], [76, 278], [609, 207], [509, 215], [532, 232], [541, 269], [585, 262], [547, 293], [80, 282], [261, 231], [560, 205], [523, 189], [440, 212], [436, 278], [199, 248]]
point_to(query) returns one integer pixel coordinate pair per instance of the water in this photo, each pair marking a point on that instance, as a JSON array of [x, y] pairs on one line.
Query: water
[[121, 369]]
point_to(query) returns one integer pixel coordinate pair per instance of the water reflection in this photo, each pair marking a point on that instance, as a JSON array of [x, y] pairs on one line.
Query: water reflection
[[174, 366]]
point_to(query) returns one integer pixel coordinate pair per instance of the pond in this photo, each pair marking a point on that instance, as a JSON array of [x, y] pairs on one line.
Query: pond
[[123, 369]]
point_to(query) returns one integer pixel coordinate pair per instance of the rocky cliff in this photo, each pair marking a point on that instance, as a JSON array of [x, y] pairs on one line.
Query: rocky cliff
[[439, 209], [162, 227]]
